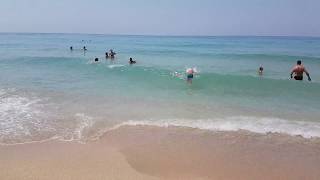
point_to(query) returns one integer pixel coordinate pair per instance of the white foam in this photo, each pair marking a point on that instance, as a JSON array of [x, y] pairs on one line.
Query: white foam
[[2, 92], [77, 131], [14, 107], [253, 124], [84, 122], [115, 66], [25, 118], [17, 114]]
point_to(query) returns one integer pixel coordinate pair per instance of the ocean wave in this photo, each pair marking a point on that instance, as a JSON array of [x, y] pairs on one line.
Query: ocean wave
[[115, 66], [25, 118], [17, 114], [82, 123], [263, 56], [263, 125]]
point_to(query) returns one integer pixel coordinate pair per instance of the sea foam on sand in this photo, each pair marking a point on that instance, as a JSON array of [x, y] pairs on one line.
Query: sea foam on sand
[[306, 129]]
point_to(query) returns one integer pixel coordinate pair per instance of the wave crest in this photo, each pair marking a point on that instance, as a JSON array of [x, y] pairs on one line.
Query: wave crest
[[262, 125]]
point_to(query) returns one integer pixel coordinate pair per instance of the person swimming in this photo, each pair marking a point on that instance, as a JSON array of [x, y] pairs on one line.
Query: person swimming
[[298, 70], [71, 48], [96, 60], [190, 74], [260, 70], [131, 61], [112, 53], [107, 55], [84, 48]]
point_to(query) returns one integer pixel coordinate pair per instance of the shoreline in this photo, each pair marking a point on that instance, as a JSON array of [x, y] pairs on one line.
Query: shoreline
[[140, 124], [150, 152]]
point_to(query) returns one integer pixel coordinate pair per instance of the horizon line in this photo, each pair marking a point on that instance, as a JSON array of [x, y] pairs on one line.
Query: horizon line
[[161, 35]]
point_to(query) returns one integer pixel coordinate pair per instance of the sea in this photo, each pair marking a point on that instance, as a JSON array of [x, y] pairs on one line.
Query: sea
[[49, 92]]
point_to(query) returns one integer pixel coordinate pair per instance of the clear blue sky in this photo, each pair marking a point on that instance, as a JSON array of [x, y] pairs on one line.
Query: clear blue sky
[[163, 17]]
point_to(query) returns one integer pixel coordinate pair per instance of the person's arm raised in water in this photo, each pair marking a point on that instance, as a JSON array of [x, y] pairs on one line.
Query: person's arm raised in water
[[293, 71], [307, 73]]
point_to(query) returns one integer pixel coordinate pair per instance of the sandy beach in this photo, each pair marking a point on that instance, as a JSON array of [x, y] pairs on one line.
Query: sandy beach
[[147, 152]]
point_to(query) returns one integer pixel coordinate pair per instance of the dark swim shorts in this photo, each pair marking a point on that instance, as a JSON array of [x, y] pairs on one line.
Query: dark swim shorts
[[299, 78], [190, 76]]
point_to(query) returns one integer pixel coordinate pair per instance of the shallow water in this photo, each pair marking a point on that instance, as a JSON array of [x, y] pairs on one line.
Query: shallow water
[[48, 91]]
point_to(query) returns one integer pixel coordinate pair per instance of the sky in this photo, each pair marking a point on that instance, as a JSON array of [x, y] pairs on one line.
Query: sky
[[163, 17]]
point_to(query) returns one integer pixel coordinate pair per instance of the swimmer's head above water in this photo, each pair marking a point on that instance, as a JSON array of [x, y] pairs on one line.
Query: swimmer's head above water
[[131, 61], [260, 71], [190, 74]]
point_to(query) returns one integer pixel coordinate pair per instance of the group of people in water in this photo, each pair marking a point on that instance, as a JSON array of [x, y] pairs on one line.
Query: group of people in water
[[84, 48], [111, 54], [297, 71]]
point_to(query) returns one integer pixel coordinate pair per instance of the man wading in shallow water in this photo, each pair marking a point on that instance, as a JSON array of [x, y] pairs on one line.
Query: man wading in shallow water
[[298, 70]]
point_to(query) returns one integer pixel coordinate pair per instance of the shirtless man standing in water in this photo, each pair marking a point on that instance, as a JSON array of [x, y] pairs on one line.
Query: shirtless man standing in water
[[298, 70]]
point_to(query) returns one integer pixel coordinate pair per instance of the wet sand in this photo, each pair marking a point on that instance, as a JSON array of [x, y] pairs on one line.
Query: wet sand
[[146, 152]]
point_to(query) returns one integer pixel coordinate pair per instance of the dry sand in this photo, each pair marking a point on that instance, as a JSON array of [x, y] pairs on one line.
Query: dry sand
[[145, 152]]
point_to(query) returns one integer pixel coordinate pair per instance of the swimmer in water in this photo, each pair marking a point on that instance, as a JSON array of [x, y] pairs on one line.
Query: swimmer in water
[[71, 48], [131, 61], [298, 70], [96, 60], [190, 74], [112, 53], [260, 71], [107, 55], [84, 48]]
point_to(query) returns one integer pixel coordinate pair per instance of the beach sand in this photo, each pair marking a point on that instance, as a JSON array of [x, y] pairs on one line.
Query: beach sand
[[147, 152]]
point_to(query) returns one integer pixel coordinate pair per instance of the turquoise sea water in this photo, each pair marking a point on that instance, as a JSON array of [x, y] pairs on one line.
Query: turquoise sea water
[[48, 91]]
